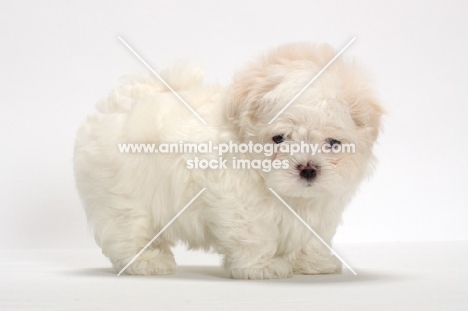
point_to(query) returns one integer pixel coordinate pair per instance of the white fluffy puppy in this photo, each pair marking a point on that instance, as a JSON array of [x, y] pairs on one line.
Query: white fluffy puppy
[[129, 198]]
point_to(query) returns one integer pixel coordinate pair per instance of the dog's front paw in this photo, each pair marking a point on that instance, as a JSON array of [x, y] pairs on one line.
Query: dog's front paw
[[150, 262], [277, 269], [317, 265]]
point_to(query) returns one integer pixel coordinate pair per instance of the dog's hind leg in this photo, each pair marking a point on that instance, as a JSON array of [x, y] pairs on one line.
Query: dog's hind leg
[[122, 242]]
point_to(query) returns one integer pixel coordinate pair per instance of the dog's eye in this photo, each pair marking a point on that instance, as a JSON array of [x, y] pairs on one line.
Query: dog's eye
[[332, 142], [278, 139]]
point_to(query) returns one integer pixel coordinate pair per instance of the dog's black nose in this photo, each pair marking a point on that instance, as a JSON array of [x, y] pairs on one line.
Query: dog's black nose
[[308, 173]]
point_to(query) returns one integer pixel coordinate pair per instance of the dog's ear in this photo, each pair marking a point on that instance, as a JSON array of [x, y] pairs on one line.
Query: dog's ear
[[366, 112], [247, 95], [250, 85]]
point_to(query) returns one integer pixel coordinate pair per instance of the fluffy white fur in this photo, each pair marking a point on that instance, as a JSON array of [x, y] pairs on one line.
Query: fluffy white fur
[[128, 198]]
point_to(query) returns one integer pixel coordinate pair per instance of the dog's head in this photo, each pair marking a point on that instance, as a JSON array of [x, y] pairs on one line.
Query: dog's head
[[339, 109]]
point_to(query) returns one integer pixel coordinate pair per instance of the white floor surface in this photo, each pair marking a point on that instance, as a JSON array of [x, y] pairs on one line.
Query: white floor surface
[[391, 276]]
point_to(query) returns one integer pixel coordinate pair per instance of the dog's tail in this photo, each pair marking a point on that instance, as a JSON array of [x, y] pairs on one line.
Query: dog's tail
[[181, 76]]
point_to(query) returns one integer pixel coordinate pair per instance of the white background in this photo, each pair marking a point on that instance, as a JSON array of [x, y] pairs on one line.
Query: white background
[[57, 59]]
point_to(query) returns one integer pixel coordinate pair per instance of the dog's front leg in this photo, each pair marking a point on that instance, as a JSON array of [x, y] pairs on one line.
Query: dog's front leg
[[250, 249], [315, 258]]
